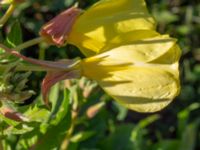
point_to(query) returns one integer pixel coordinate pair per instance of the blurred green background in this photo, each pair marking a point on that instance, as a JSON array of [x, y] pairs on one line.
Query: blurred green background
[[113, 127]]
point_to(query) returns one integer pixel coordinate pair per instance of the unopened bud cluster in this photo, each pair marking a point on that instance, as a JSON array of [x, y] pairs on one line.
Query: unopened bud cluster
[[12, 86]]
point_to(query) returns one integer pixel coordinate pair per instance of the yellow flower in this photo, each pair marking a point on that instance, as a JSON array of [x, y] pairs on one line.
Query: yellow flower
[[133, 63], [142, 76], [100, 25]]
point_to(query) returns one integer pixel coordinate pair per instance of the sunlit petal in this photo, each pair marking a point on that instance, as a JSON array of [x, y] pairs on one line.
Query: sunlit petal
[[107, 19], [142, 76]]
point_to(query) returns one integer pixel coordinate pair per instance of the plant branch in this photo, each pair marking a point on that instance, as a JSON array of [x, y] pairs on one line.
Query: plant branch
[[24, 67], [29, 43], [8, 13]]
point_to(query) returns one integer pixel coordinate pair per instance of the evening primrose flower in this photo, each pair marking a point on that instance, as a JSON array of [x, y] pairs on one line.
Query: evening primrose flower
[[92, 30], [133, 63], [141, 75]]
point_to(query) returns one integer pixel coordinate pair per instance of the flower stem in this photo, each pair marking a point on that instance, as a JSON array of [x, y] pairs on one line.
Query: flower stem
[[29, 43], [24, 67], [8, 13]]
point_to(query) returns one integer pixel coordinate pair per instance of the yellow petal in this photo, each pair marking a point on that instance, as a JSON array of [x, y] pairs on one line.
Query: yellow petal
[[142, 76], [107, 19], [128, 38], [141, 89], [172, 55], [158, 50]]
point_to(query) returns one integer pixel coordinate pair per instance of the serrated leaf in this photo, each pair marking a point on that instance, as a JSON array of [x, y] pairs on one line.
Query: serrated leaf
[[37, 114], [20, 129], [54, 135], [57, 124]]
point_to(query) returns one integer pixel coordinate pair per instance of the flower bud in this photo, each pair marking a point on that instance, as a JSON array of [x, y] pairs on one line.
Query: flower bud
[[57, 30], [13, 115], [94, 109]]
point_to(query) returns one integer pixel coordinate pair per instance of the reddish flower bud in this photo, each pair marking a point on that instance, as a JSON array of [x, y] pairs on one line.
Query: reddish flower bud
[[57, 29], [11, 114]]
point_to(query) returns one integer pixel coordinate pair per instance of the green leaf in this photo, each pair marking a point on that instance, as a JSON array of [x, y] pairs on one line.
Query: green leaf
[[54, 135], [81, 136], [189, 136], [63, 109], [183, 117], [57, 125], [37, 114], [168, 16], [147, 121], [27, 140], [119, 139], [137, 134], [20, 129], [60, 105], [166, 145], [8, 121], [53, 96], [122, 111], [14, 37]]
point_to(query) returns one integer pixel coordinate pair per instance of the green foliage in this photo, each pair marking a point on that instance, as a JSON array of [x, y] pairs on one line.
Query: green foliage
[[66, 123], [14, 37]]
